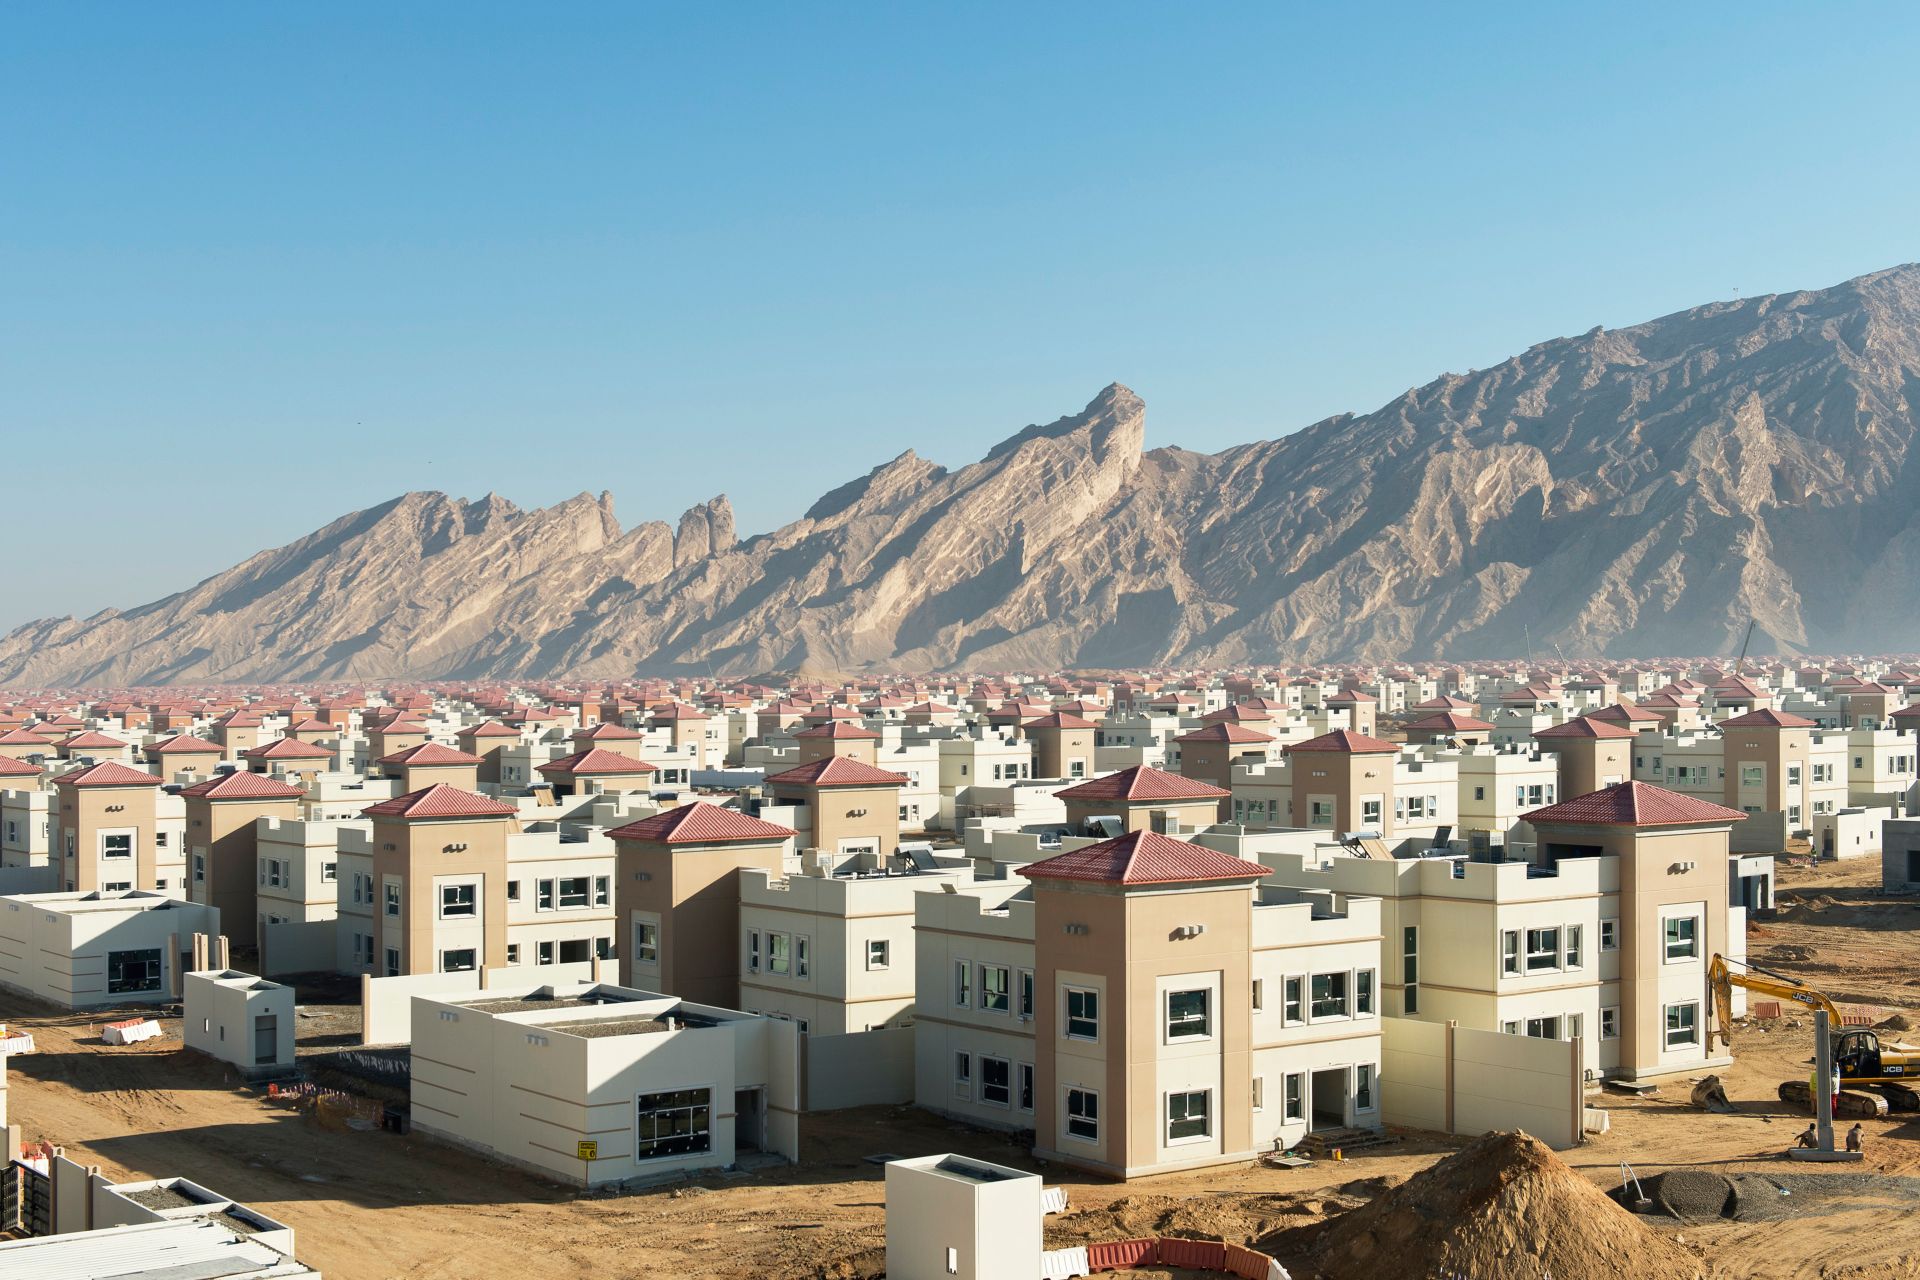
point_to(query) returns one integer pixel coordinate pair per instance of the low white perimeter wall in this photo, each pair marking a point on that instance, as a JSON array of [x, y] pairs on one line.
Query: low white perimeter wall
[[386, 1004], [1450, 1079], [859, 1069]]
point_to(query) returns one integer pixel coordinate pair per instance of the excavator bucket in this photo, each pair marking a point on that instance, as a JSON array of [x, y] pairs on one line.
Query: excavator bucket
[[1710, 1095]]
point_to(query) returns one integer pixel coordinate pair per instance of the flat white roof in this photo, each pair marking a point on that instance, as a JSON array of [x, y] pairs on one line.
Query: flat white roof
[[182, 1249]]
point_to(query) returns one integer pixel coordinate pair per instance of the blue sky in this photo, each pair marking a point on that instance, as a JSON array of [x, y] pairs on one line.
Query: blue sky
[[295, 260]]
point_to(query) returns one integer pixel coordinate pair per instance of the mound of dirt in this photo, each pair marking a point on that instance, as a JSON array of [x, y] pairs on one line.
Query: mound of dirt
[[1898, 1022], [1503, 1206], [1235, 1218]]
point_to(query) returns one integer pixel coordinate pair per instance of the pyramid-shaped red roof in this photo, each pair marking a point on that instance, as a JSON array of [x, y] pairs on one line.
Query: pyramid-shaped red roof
[[607, 731], [1143, 857], [1634, 804], [289, 749], [428, 754], [1225, 731], [1142, 784], [243, 786], [1347, 742], [596, 760], [108, 773], [1059, 720], [1623, 713], [701, 823], [1768, 719], [838, 771], [1450, 722], [11, 768], [839, 731], [439, 801], [24, 738], [488, 729], [1585, 727]]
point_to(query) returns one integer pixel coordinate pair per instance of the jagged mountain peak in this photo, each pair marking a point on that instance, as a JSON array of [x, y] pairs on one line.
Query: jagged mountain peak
[[1645, 489]]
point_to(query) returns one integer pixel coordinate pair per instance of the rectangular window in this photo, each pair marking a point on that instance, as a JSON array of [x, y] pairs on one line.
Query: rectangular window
[[1024, 1009], [116, 846], [1681, 940], [1259, 994], [1753, 775], [801, 964], [1363, 993], [1683, 1025], [1293, 1001], [543, 900], [1320, 813], [1187, 1115], [1410, 968], [1329, 995], [602, 890], [1543, 949], [1574, 940], [460, 961], [1509, 952], [1296, 1097], [646, 943], [1363, 1087], [393, 899], [778, 959], [1793, 775], [393, 962], [1610, 1022], [576, 891], [132, 972], [753, 951], [1187, 1015], [963, 1075], [996, 988], [1026, 1086], [200, 871], [1609, 935], [962, 983], [575, 950], [673, 1124], [329, 872], [513, 952], [1370, 812], [457, 902], [878, 951], [996, 1081], [1259, 1095], [1083, 1115], [513, 891], [1083, 1014], [544, 955], [1543, 1028]]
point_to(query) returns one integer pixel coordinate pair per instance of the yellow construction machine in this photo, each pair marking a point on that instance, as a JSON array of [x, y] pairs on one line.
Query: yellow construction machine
[[1860, 1062]]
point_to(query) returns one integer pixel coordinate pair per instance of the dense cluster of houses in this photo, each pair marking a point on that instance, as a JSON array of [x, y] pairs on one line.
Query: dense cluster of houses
[[1157, 921]]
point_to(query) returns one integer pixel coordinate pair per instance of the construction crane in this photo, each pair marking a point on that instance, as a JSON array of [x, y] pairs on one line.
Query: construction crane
[[1859, 1061]]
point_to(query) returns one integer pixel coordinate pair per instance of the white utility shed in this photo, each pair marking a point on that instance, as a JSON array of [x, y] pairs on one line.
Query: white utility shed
[[951, 1215]]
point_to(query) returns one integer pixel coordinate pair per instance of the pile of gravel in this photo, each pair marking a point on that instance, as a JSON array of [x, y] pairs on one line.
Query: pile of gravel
[[1691, 1195]]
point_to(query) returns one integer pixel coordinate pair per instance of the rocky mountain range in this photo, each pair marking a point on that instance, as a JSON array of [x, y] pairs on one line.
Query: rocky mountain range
[[1636, 491]]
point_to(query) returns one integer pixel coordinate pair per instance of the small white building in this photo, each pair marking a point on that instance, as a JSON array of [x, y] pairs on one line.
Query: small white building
[[951, 1215], [81, 950], [593, 1083], [243, 1020]]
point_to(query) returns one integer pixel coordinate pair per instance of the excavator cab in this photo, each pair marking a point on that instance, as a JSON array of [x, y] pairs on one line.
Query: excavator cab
[[1856, 1055]]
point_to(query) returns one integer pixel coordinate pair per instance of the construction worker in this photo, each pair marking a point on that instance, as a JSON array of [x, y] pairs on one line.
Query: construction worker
[[1855, 1140], [1809, 1139]]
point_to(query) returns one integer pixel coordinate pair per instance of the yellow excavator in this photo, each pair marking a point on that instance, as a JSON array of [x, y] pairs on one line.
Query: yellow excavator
[[1860, 1062]]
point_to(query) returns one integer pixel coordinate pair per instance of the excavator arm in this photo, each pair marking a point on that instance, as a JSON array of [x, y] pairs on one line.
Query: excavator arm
[[1722, 978]]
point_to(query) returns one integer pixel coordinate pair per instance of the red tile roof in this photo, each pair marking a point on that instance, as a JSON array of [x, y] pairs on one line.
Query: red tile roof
[[11, 768], [1633, 804], [89, 739], [608, 731], [1623, 713], [1352, 695], [428, 754], [24, 738], [701, 823], [1225, 731], [488, 729], [1451, 722], [1143, 857], [1142, 784], [439, 801], [1347, 742], [596, 760], [1768, 719], [837, 771], [243, 786], [1909, 712], [311, 725], [108, 773], [676, 711], [1059, 720], [839, 731], [1585, 727], [288, 749], [1238, 713]]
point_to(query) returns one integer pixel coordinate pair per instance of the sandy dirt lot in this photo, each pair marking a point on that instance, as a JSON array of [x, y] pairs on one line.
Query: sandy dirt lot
[[371, 1205]]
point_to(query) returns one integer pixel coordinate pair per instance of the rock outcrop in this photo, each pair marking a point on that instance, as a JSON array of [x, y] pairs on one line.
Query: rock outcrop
[[1626, 492]]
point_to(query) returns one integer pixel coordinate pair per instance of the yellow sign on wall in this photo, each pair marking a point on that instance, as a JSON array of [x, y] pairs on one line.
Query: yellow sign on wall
[[589, 1150]]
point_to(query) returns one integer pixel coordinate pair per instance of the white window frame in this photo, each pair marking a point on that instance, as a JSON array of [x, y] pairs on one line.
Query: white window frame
[[1086, 1116], [879, 953], [1185, 1098], [1692, 1032], [1187, 1027], [1068, 1018]]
